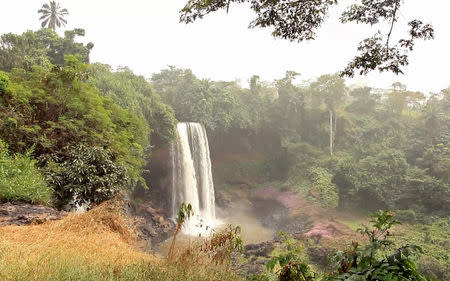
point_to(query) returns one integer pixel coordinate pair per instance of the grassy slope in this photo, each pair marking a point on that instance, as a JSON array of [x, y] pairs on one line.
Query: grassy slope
[[98, 245]]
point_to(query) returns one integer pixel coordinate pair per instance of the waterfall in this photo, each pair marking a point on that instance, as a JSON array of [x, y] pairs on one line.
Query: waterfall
[[192, 181]]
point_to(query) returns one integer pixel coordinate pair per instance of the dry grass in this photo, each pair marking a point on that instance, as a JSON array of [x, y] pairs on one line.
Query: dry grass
[[101, 238], [98, 245]]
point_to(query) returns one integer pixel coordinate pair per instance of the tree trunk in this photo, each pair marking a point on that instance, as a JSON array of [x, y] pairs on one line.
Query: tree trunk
[[331, 132]]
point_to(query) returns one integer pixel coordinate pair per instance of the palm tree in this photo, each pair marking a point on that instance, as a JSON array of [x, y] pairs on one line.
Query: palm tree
[[53, 15]]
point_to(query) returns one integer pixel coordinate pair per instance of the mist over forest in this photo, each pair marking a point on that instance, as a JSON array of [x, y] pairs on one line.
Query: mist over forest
[[109, 175]]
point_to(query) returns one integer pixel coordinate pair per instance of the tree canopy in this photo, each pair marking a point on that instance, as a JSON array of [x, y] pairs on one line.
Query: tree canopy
[[299, 21]]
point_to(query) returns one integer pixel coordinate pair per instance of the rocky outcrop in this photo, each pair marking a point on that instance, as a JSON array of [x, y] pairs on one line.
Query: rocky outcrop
[[319, 255], [259, 250], [152, 224], [25, 214], [256, 256]]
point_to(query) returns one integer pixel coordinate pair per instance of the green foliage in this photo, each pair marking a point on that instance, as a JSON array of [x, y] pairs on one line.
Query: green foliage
[[83, 172], [287, 265], [358, 262], [134, 92], [346, 177], [408, 215], [383, 175], [42, 48], [322, 190], [433, 268], [366, 263], [302, 156], [20, 180], [4, 81], [217, 105], [391, 147], [430, 192], [431, 234], [184, 213], [249, 170], [54, 108]]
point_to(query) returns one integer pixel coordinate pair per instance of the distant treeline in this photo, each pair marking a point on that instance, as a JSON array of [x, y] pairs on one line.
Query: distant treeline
[[389, 148]]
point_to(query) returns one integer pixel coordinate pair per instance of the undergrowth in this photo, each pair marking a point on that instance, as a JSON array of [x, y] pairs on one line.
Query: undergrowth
[[20, 180]]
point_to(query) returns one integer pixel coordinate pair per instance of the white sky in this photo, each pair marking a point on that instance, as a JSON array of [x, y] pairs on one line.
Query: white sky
[[146, 36]]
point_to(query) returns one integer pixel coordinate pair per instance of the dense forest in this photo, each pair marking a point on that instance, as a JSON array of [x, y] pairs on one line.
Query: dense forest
[[341, 147], [75, 130]]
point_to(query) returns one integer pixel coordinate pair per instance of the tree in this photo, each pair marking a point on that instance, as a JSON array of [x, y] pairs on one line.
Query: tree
[[53, 15], [296, 20], [185, 212], [53, 109], [134, 92], [42, 48], [331, 89]]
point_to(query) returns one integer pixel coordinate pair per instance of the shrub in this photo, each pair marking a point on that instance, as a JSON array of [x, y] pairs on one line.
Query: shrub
[[85, 172], [4, 81], [365, 262], [322, 189], [20, 180]]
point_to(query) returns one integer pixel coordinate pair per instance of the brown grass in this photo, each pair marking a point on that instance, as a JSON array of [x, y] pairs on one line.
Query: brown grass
[[101, 237]]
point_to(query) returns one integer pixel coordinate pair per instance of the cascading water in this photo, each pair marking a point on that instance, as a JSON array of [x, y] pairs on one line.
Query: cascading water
[[192, 181]]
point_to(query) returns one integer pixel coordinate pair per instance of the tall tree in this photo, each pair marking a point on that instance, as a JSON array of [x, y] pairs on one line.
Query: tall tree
[[53, 15], [331, 89]]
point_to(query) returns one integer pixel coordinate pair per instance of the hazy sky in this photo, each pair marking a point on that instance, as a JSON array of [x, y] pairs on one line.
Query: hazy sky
[[146, 36]]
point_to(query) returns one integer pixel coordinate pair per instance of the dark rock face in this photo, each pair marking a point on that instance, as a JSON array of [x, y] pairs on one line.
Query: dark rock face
[[259, 250], [275, 215], [153, 225], [297, 225], [319, 255], [256, 256], [271, 213], [25, 214]]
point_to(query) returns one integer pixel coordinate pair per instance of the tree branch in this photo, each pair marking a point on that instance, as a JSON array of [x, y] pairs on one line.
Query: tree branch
[[394, 19]]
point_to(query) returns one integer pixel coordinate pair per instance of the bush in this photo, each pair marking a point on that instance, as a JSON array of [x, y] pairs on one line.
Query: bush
[[20, 180], [4, 81], [322, 189], [85, 172]]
